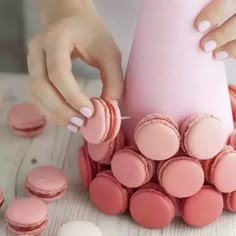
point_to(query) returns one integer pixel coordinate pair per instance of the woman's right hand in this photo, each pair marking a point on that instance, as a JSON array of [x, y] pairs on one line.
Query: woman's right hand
[[52, 83]]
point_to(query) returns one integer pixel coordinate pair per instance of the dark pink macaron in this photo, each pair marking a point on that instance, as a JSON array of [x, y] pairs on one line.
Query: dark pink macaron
[[230, 201], [108, 195], [203, 208], [151, 207], [47, 183]]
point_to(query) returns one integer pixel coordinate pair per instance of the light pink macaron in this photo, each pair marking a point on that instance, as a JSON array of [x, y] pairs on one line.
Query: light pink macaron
[[203, 208], [1, 198], [181, 176], [46, 182], [157, 137], [27, 216], [131, 168], [108, 195], [151, 207], [104, 152], [221, 170], [203, 136], [230, 201]]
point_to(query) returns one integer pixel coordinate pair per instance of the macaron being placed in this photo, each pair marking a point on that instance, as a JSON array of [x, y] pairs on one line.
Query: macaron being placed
[[104, 125], [47, 183], [1, 198], [181, 176], [203, 208], [203, 136], [157, 137], [131, 168], [151, 207], [104, 152], [108, 195], [27, 216], [221, 171], [26, 120], [230, 201]]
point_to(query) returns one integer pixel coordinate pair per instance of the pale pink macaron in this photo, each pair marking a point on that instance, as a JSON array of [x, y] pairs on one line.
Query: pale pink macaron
[[230, 201], [27, 216], [104, 152], [26, 120], [131, 168], [181, 176], [151, 207], [221, 170], [157, 137], [46, 182], [105, 123], [87, 167], [203, 136], [108, 195], [1, 198], [203, 208]]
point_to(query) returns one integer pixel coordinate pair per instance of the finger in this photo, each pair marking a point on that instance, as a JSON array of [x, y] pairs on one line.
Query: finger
[[59, 67], [226, 51], [214, 14], [220, 36]]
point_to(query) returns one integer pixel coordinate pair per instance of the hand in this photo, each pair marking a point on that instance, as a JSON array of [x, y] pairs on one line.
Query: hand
[[52, 83], [220, 37]]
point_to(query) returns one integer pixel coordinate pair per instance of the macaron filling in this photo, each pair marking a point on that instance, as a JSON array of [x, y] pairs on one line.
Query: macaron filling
[[29, 129]]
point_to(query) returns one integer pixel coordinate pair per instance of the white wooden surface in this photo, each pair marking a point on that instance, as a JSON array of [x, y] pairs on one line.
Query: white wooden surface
[[57, 147]]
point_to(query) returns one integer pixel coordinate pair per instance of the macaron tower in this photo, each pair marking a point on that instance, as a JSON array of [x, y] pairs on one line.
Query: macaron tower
[[176, 155]]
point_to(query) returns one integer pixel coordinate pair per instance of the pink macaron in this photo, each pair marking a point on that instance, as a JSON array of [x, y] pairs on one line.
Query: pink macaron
[[1, 198], [26, 120], [47, 183], [108, 195], [151, 207], [221, 170], [203, 208], [131, 168], [104, 152], [157, 137], [181, 176], [230, 201], [27, 216], [203, 136], [87, 167], [105, 123]]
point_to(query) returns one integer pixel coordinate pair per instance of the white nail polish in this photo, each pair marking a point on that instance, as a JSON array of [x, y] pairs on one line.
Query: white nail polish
[[209, 46], [77, 121], [221, 55], [72, 128], [204, 26], [86, 112]]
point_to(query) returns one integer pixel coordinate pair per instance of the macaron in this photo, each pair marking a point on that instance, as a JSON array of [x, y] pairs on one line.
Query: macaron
[[26, 120], [157, 137], [77, 228], [151, 207], [131, 168], [181, 176], [203, 136], [104, 152], [104, 125], [230, 201], [27, 216], [108, 195], [87, 167], [1, 198], [221, 171], [46, 182], [203, 208]]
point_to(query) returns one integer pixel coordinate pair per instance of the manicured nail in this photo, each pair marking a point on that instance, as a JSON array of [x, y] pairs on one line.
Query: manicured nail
[[209, 46], [221, 55], [204, 26], [72, 128], [86, 112], [77, 121]]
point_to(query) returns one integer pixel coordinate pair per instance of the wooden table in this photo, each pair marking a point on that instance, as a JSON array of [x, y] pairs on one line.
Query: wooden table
[[57, 147]]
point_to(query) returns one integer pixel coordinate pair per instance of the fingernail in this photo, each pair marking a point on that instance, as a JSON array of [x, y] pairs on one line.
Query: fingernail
[[72, 128], [204, 25], [222, 55], [86, 112], [209, 46], [77, 121]]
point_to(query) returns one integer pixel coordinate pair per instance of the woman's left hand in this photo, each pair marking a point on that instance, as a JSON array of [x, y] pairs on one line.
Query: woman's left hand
[[220, 37]]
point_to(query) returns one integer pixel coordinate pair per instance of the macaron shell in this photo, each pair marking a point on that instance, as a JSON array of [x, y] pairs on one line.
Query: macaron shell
[[230, 201], [203, 208]]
